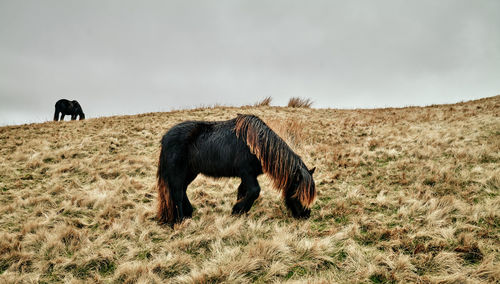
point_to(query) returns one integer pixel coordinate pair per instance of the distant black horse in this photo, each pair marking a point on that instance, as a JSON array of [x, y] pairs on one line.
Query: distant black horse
[[65, 107], [243, 147]]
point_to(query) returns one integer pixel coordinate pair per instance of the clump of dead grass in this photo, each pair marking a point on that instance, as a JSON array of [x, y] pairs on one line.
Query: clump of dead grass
[[299, 102], [291, 130], [264, 102]]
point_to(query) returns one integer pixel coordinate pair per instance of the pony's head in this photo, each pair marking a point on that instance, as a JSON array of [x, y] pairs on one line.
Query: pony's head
[[289, 173], [77, 109], [301, 193]]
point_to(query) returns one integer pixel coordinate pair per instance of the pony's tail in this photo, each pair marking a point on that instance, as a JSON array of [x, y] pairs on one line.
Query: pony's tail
[[165, 212]]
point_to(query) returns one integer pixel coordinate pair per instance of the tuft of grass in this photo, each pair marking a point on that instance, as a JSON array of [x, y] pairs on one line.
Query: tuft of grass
[[102, 266], [264, 102], [298, 102], [4, 264]]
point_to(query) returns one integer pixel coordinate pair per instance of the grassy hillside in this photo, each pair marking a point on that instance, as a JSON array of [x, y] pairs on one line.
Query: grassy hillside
[[408, 195]]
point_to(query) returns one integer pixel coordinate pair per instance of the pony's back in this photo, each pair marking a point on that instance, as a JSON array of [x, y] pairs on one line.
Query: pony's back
[[62, 102], [211, 148]]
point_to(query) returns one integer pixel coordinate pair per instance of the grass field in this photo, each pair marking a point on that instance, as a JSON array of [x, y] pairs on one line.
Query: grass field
[[404, 195]]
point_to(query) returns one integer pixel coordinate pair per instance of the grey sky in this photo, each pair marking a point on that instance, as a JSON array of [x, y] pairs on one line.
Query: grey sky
[[126, 57]]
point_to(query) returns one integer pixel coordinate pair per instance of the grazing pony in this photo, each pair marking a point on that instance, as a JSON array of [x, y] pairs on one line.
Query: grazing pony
[[243, 147], [66, 107]]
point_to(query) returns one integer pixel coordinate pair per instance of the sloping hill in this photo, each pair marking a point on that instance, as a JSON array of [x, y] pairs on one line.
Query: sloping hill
[[408, 194]]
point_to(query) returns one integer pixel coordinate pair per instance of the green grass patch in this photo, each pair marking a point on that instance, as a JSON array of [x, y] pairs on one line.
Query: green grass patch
[[379, 278], [49, 160], [102, 266], [145, 254], [4, 265], [296, 271]]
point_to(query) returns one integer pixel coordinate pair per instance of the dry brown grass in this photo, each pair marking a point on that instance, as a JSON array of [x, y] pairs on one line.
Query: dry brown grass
[[405, 195], [299, 102], [264, 102]]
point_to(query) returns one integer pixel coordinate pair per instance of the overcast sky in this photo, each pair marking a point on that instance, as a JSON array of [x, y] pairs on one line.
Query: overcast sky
[[127, 57]]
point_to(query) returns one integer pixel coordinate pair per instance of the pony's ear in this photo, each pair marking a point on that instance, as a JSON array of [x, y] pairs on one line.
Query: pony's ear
[[311, 171]]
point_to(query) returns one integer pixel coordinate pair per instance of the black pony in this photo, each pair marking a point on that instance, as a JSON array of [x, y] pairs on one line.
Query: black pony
[[65, 107], [243, 147]]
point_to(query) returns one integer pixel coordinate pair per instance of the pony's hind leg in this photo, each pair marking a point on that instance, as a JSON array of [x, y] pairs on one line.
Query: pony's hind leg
[[250, 188], [177, 199], [186, 205], [56, 115], [182, 206]]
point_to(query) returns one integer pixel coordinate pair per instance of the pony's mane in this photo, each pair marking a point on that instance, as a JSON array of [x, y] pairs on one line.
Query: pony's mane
[[276, 157]]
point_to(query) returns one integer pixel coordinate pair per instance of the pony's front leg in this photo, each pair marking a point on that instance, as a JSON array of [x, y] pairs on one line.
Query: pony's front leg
[[242, 191], [187, 208], [250, 187]]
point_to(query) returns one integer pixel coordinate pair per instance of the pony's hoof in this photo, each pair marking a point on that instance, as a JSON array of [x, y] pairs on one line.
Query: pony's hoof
[[237, 209], [165, 223]]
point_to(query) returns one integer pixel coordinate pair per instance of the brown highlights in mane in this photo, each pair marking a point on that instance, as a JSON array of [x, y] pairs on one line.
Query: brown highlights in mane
[[277, 159]]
